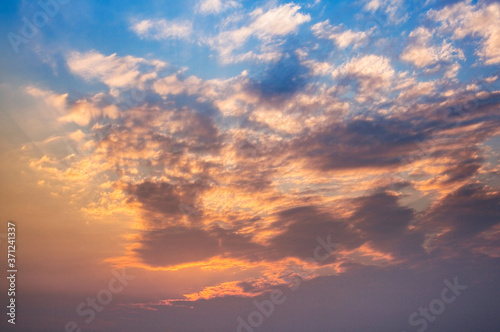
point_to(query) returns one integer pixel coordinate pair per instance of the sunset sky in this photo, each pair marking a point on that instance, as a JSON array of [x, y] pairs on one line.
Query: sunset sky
[[228, 165]]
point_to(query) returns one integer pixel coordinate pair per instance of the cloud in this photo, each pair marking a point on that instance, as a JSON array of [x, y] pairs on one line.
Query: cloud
[[163, 198], [278, 21], [173, 85], [356, 144], [51, 99], [300, 228], [378, 221], [341, 38], [216, 6], [177, 245], [372, 73], [162, 29], [85, 111], [463, 215], [422, 53], [392, 8], [81, 112], [385, 225], [265, 26], [481, 20], [297, 231], [367, 66], [115, 71]]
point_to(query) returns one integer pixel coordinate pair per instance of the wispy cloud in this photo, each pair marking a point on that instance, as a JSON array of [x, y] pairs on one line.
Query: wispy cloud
[[216, 6], [266, 26], [162, 29], [394, 9], [341, 38]]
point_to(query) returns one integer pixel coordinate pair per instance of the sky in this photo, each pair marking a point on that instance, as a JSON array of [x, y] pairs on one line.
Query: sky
[[230, 165]]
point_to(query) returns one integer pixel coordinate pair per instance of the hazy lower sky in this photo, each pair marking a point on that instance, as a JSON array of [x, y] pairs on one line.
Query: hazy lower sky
[[227, 165]]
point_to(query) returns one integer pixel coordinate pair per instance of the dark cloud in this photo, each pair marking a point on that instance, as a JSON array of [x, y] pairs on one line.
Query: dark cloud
[[177, 245], [463, 171], [419, 133], [161, 197], [165, 202], [378, 221], [384, 225], [281, 79], [253, 179], [464, 214], [359, 143], [301, 227], [299, 230], [199, 131]]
